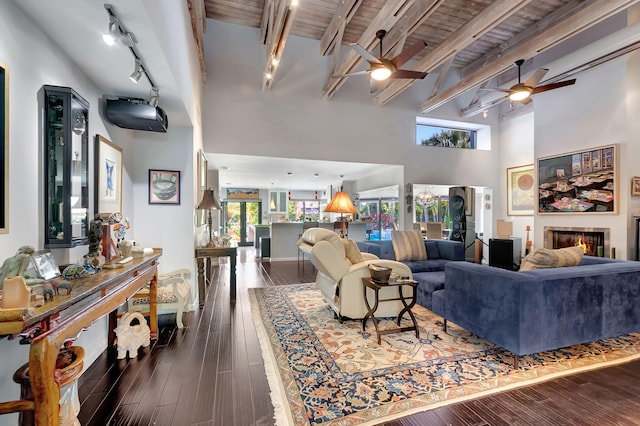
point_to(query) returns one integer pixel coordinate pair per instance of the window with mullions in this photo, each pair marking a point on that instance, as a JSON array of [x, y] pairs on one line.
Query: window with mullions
[[381, 216], [304, 211], [427, 135], [437, 210]]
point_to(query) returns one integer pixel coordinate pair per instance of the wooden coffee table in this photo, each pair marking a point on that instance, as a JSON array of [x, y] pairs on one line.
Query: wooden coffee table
[[368, 283]]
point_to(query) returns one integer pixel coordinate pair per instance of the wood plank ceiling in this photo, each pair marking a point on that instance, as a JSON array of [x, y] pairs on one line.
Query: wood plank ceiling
[[482, 38]]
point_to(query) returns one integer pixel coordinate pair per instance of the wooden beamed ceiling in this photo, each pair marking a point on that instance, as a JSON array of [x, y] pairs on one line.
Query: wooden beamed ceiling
[[481, 39]]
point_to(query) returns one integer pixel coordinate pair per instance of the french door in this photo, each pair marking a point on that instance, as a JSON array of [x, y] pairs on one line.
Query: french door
[[240, 218]]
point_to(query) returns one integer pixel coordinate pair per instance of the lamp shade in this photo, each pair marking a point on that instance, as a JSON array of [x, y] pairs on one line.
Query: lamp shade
[[340, 203], [209, 201]]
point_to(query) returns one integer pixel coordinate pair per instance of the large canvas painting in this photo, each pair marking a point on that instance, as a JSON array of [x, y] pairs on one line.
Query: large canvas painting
[[579, 182]]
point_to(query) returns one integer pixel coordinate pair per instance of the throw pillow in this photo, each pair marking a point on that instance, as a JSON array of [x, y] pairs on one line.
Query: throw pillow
[[552, 258], [352, 251], [408, 245]]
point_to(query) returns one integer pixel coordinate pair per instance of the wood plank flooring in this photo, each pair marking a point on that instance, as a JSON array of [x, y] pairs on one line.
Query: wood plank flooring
[[211, 373]]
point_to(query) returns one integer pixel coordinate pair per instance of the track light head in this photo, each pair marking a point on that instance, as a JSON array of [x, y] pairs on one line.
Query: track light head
[[137, 72], [155, 97]]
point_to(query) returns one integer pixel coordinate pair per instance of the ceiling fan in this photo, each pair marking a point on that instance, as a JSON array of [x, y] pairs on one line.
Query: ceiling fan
[[382, 69], [521, 92]]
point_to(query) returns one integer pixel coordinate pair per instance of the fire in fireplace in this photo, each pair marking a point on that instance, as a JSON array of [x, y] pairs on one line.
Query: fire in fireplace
[[589, 239]]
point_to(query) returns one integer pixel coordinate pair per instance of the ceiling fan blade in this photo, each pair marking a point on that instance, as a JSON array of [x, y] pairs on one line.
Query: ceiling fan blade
[[552, 86], [365, 53], [495, 89], [525, 101], [536, 77], [350, 74], [408, 74], [408, 53], [376, 85]]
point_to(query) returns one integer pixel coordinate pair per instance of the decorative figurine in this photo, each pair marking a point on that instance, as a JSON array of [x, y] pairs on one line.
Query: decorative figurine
[[72, 272], [16, 265]]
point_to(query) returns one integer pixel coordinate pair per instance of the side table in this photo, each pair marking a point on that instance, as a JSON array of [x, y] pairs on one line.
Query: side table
[[368, 283]]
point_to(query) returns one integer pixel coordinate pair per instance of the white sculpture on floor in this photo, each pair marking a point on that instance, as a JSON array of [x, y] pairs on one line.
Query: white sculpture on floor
[[131, 337]]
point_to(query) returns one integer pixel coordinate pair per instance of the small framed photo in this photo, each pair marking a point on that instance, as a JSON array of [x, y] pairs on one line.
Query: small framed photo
[[45, 265], [635, 185], [164, 186]]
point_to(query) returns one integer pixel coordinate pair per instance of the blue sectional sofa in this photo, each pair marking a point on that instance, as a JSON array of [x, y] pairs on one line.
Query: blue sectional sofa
[[428, 273], [532, 311]]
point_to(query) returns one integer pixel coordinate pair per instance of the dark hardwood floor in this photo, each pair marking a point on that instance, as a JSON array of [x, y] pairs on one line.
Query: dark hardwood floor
[[211, 373]]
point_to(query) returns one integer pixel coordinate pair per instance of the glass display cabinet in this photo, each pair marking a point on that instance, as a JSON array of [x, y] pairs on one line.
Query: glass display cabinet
[[66, 122]]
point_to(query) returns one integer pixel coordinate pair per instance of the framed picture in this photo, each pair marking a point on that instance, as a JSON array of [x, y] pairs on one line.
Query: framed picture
[[108, 176], [45, 265], [635, 185], [164, 186], [520, 191], [243, 193], [583, 181], [4, 149], [203, 166]]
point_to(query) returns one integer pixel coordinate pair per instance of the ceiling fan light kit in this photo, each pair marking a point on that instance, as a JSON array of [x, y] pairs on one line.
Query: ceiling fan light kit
[[520, 92], [380, 72]]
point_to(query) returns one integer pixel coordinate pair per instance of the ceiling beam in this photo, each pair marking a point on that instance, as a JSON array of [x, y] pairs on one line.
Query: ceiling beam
[[490, 17], [198, 26], [277, 35], [444, 70], [585, 15], [386, 18], [345, 12]]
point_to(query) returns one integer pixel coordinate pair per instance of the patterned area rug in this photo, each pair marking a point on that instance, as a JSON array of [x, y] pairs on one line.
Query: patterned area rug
[[322, 372]]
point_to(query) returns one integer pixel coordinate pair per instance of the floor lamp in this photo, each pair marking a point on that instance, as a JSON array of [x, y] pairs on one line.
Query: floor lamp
[[341, 203], [209, 203]]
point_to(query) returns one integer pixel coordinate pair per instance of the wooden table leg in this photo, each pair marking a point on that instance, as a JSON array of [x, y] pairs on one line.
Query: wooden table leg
[[46, 392], [153, 306], [201, 293], [233, 277]]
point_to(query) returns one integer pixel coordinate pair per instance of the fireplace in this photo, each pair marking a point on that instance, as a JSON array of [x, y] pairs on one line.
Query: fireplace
[[587, 238]]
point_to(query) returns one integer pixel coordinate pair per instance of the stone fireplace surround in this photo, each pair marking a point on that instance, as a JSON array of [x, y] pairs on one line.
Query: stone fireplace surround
[[568, 236]]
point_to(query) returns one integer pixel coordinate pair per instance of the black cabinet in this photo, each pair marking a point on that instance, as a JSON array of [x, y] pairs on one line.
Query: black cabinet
[[505, 253], [66, 190]]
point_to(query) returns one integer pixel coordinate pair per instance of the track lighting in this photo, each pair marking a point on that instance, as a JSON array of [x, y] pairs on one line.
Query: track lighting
[[155, 97], [137, 72], [114, 31], [117, 31]]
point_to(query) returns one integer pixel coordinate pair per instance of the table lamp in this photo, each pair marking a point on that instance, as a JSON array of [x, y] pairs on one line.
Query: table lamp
[[209, 203], [341, 203]]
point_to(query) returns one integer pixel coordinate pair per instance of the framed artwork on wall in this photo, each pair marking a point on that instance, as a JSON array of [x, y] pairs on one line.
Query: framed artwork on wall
[[108, 176], [4, 149], [520, 191], [164, 186], [635, 185], [583, 182]]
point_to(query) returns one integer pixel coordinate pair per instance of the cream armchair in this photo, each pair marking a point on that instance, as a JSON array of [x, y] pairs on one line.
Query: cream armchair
[[341, 282]]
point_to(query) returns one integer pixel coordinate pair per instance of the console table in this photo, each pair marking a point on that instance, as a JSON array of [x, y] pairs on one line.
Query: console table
[[59, 321], [210, 253]]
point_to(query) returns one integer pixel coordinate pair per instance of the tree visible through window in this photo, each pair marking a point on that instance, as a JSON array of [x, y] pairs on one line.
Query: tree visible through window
[[445, 137]]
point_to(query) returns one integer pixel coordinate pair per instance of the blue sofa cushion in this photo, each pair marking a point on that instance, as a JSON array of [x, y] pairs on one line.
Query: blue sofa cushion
[[428, 282]]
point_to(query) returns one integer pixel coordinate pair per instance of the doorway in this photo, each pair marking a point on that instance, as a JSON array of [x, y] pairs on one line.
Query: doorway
[[240, 218]]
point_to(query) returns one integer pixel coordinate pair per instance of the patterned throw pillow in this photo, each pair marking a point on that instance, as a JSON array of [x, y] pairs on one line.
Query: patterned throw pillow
[[408, 245], [352, 251], [552, 258]]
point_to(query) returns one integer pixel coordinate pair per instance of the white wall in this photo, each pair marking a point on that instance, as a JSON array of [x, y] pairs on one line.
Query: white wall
[[589, 114], [292, 120], [33, 60], [516, 142]]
